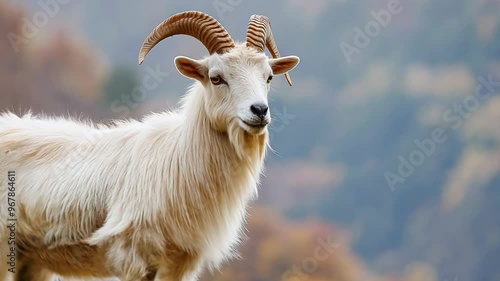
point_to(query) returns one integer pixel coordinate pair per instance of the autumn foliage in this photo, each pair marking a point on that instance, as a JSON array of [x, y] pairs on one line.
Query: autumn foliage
[[54, 73]]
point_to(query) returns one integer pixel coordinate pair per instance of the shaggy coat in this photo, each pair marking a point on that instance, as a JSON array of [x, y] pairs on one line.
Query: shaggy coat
[[166, 189], [163, 197]]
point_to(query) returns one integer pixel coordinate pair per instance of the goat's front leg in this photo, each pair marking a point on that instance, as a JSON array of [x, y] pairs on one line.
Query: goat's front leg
[[150, 276], [180, 269], [27, 271], [126, 262]]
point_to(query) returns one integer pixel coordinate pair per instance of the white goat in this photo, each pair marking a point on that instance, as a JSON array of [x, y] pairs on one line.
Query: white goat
[[159, 198]]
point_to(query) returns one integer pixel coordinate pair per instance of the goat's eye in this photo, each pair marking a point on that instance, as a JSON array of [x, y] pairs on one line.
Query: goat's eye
[[216, 80], [269, 79]]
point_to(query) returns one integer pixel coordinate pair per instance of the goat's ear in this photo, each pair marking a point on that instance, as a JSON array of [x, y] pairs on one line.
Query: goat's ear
[[284, 64], [192, 68]]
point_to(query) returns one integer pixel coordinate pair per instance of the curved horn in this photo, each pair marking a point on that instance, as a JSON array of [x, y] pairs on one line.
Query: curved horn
[[260, 35], [196, 24]]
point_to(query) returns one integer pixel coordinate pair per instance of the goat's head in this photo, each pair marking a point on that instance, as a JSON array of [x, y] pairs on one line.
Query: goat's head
[[236, 77]]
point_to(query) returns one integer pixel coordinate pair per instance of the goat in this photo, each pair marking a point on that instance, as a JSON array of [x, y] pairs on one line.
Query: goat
[[164, 197]]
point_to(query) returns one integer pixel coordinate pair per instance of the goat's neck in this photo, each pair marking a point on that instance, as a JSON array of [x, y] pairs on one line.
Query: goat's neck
[[234, 143], [218, 170], [216, 175]]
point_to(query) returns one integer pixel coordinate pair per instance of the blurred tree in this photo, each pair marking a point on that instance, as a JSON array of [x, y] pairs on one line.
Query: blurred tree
[[61, 74], [121, 81]]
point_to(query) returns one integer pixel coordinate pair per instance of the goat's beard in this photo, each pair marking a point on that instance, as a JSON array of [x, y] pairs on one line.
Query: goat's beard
[[242, 139]]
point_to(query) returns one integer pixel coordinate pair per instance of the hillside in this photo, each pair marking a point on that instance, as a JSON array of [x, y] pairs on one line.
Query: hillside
[[389, 140]]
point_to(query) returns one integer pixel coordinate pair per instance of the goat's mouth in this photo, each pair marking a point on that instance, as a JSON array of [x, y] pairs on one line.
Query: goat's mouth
[[254, 126]]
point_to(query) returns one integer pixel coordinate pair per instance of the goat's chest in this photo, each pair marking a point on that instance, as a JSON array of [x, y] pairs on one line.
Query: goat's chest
[[210, 221]]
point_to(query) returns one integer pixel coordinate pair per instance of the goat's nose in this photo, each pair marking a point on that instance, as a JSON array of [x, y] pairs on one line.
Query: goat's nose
[[259, 109]]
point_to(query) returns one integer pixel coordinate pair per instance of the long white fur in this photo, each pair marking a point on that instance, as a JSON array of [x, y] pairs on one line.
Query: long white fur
[[173, 178]]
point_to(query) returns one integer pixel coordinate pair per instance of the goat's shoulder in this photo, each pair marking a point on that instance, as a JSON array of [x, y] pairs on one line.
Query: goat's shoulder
[[46, 124]]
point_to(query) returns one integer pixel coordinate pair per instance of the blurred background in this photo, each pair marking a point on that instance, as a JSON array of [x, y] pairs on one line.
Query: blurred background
[[387, 162]]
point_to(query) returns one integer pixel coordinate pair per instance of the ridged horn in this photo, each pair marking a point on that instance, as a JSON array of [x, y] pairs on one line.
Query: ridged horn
[[196, 24], [260, 35]]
